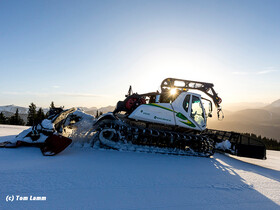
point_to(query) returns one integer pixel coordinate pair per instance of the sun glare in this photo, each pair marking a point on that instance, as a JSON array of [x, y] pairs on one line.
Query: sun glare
[[173, 91]]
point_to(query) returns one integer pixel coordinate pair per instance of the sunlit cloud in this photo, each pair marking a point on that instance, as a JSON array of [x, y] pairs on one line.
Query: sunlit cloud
[[267, 71], [240, 73], [43, 94], [10, 93], [79, 94], [26, 93], [55, 86]]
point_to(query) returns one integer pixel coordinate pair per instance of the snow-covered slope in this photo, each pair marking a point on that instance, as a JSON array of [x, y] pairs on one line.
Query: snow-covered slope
[[84, 178], [9, 131], [13, 109]]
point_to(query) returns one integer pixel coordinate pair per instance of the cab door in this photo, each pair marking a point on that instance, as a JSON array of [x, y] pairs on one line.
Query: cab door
[[182, 108], [196, 111]]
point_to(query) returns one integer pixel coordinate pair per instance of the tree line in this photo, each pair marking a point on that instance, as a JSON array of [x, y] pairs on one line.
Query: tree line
[[13, 120], [270, 143], [34, 116], [98, 114]]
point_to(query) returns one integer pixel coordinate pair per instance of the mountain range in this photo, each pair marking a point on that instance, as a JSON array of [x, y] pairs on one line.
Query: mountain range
[[10, 110], [249, 118], [264, 121], [93, 110]]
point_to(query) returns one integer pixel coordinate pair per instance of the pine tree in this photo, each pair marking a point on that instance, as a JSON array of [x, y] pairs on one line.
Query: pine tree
[[96, 116], [31, 118], [52, 105], [3, 119], [40, 116], [16, 119]]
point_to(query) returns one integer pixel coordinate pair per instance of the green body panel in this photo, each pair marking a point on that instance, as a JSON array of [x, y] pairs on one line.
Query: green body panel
[[178, 114]]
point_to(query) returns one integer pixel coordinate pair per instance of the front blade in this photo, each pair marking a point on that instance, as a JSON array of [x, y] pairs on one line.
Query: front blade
[[55, 144]]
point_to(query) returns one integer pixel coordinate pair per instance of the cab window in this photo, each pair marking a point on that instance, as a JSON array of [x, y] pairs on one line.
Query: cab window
[[186, 103], [197, 111]]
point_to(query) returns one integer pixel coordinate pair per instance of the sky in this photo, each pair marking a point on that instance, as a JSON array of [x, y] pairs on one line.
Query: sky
[[87, 53]]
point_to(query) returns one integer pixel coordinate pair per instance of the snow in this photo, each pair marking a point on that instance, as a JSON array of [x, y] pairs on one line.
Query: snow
[[224, 145], [82, 130], [273, 161], [47, 124], [9, 131], [85, 178]]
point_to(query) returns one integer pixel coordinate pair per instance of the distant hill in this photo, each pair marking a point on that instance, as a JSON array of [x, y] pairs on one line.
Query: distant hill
[[255, 115], [13, 108], [233, 107], [93, 110], [274, 107], [10, 110], [275, 104], [268, 131], [262, 121], [21, 110]]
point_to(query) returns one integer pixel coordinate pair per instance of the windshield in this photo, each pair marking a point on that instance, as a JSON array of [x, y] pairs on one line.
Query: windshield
[[197, 111]]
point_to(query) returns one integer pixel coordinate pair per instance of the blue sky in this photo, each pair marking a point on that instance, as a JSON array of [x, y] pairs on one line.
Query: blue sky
[[87, 53]]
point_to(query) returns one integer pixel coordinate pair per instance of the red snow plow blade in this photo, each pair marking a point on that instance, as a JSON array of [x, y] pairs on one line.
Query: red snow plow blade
[[55, 144]]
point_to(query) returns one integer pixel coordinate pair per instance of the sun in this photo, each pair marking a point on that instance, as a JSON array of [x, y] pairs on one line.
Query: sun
[[173, 91]]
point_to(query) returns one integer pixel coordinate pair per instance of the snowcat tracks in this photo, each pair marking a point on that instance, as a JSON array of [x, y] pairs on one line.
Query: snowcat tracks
[[118, 135]]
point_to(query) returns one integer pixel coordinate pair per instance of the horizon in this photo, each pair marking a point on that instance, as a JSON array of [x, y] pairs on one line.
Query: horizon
[[237, 105], [88, 53]]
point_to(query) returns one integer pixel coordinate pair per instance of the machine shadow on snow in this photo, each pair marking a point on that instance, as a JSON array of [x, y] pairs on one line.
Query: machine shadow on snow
[[238, 186], [241, 165]]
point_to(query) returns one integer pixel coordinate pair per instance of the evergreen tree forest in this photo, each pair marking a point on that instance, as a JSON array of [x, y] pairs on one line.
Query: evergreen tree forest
[[16, 119], [34, 117], [31, 118], [13, 120], [3, 119], [269, 142]]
